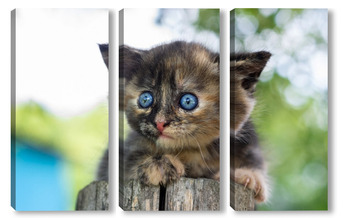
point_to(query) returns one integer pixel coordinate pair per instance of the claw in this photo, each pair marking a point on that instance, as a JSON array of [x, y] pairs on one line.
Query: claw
[[246, 183], [257, 191]]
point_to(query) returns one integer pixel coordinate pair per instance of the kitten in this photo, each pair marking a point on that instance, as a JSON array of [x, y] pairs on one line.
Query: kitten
[[171, 101], [247, 165]]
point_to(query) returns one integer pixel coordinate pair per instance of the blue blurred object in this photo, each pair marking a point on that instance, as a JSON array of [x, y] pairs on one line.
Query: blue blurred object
[[41, 184]]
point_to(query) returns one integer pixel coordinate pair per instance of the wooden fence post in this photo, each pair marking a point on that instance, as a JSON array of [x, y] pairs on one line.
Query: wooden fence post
[[135, 197], [93, 197], [186, 195], [241, 199], [193, 195]]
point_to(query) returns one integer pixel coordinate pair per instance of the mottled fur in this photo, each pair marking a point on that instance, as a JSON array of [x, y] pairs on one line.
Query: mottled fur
[[191, 143], [247, 165]]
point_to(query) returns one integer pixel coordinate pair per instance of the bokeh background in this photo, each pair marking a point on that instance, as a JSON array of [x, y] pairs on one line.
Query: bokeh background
[[291, 115], [159, 26], [60, 105]]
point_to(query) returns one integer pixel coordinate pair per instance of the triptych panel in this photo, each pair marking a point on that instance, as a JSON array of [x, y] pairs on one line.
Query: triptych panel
[[170, 76], [59, 105], [280, 145]]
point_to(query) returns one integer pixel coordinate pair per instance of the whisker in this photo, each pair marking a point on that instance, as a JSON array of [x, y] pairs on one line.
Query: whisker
[[182, 146], [200, 150]]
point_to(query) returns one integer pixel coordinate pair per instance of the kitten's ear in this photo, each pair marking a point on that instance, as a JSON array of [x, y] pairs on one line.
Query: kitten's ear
[[248, 67], [129, 59], [217, 60], [104, 52]]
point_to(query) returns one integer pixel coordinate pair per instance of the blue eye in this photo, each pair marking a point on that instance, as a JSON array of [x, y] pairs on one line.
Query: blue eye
[[146, 99], [188, 102]]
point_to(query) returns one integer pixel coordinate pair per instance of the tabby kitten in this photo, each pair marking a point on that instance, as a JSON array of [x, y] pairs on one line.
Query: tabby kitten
[[171, 101], [247, 165]]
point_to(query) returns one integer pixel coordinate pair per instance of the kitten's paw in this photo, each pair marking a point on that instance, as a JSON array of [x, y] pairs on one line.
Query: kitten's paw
[[253, 179], [216, 176], [160, 170]]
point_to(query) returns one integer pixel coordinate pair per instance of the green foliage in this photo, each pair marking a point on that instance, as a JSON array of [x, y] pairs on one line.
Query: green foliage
[[80, 141], [208, 19], [295, 149], [266, 21]]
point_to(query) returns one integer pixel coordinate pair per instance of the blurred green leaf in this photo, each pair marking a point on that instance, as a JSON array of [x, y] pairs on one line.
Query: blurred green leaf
[[208, 19], [80, 140]]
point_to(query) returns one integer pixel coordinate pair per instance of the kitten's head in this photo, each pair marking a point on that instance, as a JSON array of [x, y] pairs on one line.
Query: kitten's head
[[171, 93], [245, 69]]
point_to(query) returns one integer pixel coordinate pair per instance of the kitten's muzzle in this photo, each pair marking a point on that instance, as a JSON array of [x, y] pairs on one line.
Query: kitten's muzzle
[[161, 126]]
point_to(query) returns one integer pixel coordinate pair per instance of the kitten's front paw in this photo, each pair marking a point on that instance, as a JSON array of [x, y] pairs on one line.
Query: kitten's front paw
[[253, 179], [216, 176], [160, 170]]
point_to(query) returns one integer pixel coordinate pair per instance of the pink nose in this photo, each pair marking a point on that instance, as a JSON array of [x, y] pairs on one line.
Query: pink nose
[[160, 126]]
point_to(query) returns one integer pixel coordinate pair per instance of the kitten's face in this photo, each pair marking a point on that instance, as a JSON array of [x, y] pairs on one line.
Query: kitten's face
[[172, 93], [245, 69]]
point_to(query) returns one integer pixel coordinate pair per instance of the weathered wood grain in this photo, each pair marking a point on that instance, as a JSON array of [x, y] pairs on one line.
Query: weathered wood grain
[[139, 197], [193, 195], [93, 197], [241, 199], [185, 195]]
